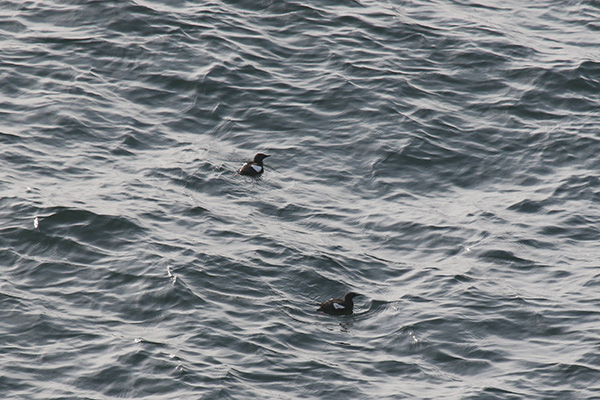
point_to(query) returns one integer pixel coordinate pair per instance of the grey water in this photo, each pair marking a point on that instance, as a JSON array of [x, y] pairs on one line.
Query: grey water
[[441, 158]]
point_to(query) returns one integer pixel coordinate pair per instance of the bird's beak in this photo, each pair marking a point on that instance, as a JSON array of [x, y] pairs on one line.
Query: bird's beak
[[267, 155]]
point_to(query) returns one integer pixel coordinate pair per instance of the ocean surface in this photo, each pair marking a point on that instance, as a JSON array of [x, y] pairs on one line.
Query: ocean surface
[[442, 158]]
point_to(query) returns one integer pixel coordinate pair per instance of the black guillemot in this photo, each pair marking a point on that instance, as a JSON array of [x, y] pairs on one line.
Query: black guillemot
[[339, 306], [254, 168]]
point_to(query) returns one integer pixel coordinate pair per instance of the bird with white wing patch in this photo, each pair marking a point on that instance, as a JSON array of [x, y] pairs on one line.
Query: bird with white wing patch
[[255, 167], [339, 306]]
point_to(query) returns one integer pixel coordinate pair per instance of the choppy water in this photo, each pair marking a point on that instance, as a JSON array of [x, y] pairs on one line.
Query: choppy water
[[440, 157]]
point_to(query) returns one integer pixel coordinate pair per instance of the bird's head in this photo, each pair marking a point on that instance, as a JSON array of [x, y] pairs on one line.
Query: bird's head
[[260, 157], [351, 295]]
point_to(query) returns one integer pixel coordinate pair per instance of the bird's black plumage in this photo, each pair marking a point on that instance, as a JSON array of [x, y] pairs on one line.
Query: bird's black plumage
[[339, 306], [254, 168]]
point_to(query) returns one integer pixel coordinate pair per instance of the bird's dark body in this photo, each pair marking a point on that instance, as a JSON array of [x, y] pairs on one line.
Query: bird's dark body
[[343, 306], [255, 167]]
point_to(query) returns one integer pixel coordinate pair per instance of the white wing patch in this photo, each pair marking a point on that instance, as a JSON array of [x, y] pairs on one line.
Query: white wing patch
[[257, 168], [338, 306]]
